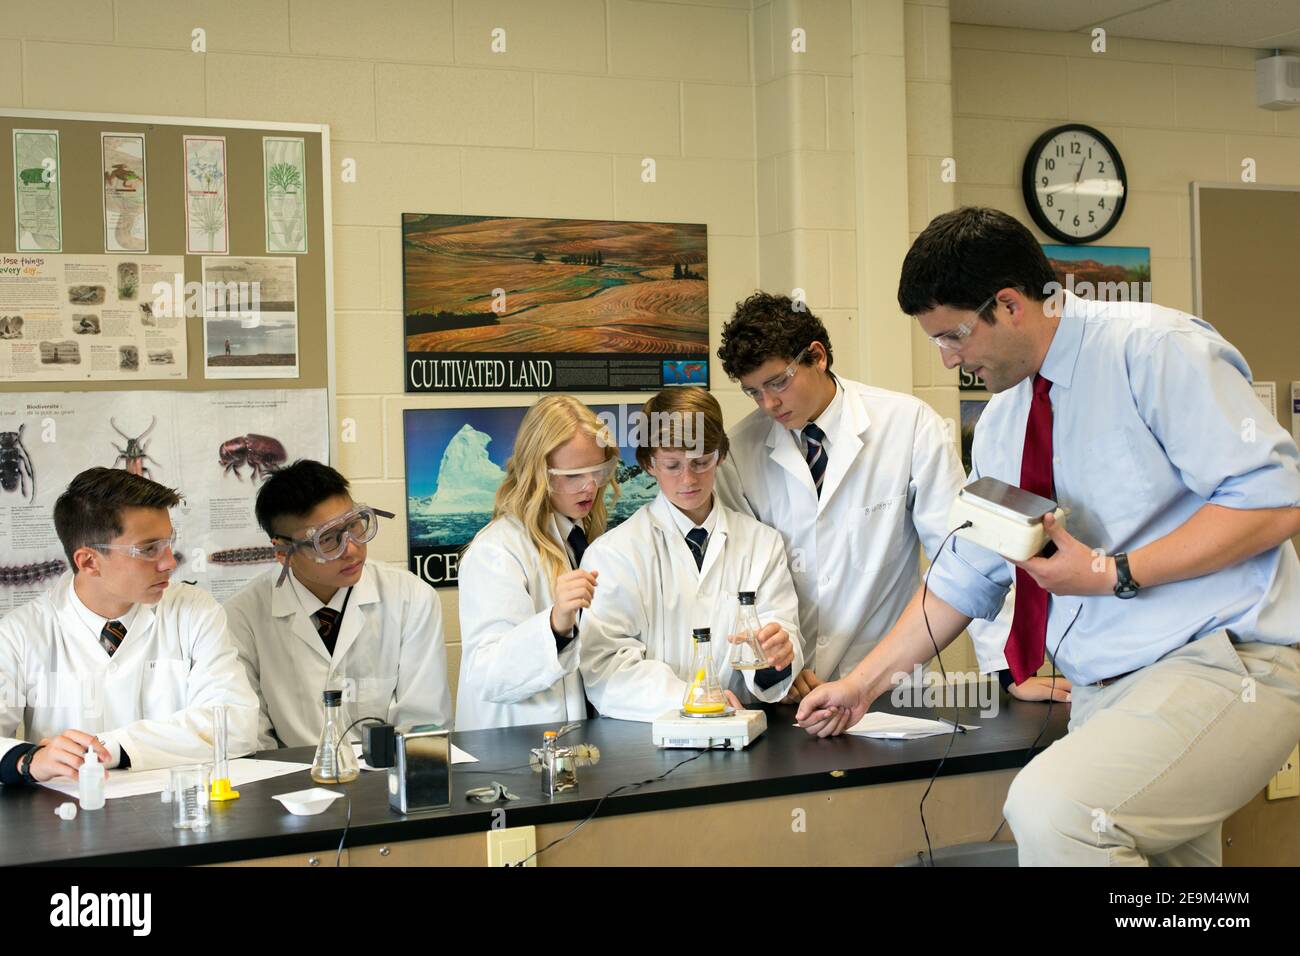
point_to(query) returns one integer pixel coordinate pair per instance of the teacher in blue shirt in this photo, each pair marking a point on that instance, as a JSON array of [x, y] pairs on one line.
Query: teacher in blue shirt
[[1172, 603]]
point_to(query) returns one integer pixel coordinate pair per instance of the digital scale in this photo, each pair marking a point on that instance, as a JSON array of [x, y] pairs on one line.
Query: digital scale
[[1003, 518], [731, 730]]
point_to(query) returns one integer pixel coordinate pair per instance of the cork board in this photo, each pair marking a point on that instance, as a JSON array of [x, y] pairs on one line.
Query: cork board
[[81, 180]]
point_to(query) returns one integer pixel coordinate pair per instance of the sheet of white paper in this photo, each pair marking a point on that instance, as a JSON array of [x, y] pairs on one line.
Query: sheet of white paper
[[457, 756], [901, 727], [134, 783]]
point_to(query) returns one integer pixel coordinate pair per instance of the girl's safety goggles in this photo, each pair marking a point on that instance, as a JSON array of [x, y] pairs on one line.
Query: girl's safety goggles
[[330, 540], [568, 481]]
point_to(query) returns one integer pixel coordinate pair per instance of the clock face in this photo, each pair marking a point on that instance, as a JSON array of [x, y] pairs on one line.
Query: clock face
[[1074, 183]]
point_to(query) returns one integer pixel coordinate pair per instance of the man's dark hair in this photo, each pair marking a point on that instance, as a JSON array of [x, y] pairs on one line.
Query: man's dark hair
[[964, 257], [767, 326], [296, 490], [90, 510]]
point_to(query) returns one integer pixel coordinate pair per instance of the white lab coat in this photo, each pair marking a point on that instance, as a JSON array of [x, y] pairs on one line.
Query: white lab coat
[[389, 658], [892, 472], [510, 671], [636, 648], [152, 698]]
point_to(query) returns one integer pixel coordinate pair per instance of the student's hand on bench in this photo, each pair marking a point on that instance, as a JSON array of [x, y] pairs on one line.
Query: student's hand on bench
[[62, 756], [832, 708], [733, 700], [804, 681], [573, 592], [1040, 688]]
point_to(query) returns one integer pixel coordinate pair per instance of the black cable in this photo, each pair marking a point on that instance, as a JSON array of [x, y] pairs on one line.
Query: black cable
[[601, 801], [338, 856], [956, 712], [1051, 699]]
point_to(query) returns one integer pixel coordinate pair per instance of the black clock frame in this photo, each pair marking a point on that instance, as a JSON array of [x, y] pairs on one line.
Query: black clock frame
[[1031, 195]]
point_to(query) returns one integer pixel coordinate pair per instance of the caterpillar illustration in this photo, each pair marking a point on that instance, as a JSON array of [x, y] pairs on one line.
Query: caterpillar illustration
[[30, 573], [242, 556]]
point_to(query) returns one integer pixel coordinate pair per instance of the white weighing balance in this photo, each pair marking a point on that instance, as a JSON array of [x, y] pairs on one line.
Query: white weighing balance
[[730, 730], [1003, 518]]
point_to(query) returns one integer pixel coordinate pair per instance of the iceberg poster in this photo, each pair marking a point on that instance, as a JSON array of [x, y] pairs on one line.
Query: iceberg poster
[[509, 304], [456, 460]]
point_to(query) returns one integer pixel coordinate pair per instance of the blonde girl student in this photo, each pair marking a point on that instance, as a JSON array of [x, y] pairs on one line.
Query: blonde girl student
[[521, 590]]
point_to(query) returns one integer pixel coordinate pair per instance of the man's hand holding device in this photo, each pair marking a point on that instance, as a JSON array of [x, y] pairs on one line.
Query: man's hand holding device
[[1029, 531]]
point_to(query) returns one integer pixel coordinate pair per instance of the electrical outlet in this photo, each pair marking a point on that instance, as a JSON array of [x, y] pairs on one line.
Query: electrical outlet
[[1286, 782], [508, 847]]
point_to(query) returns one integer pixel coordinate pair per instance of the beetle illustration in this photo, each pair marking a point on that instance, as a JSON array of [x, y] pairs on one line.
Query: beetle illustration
[[135, 454], [261, 453], [16, 465]]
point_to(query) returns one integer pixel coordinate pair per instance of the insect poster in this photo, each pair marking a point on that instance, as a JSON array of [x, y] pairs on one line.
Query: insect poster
[[214, 448], [508, 304]]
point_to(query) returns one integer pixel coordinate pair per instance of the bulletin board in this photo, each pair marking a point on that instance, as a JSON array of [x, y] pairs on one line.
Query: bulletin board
[[82, 177], [213, 437]]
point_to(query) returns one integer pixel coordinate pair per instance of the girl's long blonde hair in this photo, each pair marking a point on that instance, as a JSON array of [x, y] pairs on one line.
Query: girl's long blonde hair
[[524, 493]]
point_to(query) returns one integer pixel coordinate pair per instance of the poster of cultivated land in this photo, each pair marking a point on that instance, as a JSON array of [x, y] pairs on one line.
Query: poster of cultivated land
[[501, 304]]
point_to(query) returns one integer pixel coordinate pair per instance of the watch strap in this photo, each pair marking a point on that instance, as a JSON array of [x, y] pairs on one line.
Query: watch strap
[[1125, 586]]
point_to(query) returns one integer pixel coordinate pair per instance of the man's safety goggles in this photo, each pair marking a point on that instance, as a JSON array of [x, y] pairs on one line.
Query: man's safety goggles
[[330, 540]]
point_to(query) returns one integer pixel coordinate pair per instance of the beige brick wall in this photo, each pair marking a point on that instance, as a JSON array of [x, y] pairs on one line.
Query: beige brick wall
[[1177, 112], [557, 125]]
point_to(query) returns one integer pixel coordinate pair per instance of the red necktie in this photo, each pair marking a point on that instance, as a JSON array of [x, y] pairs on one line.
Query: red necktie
[[1027, 641]]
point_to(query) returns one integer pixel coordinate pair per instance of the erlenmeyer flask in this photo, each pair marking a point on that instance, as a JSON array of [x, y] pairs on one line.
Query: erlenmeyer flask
[[746, 652], [335, 761], [704, 696]]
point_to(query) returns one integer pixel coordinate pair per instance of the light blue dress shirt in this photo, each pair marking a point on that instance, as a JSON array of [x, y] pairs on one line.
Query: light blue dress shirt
[[1153, 416]]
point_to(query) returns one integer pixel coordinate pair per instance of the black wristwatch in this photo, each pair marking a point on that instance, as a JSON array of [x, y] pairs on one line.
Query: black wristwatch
[[1125, 586], [24, 766]]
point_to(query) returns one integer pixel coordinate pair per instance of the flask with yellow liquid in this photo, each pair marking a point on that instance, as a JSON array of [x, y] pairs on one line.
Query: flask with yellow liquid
[[704, 696]]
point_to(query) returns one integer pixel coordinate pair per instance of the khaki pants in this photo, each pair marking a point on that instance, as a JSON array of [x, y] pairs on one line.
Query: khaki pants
[[1155, 762]]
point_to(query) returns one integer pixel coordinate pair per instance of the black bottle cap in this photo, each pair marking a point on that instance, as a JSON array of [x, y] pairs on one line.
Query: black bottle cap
[[701, 634], [333, 696], [746, 597]]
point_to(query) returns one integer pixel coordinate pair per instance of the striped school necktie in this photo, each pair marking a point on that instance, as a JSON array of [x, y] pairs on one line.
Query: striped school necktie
[[816, 454], [111, 636], [326, 620], [698, 539]]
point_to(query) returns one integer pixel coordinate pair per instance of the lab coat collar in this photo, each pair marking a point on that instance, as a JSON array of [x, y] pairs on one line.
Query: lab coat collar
[[285, 603], [76, 618], [662, 516], [1063, 354], [843, 447]]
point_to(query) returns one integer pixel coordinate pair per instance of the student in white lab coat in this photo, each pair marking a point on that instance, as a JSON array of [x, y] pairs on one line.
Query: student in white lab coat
[[326, 618], [521, 590], [854, 478], [678, 564], [115, 657]]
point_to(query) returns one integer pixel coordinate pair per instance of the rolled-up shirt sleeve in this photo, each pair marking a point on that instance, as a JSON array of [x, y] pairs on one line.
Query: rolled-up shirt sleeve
[[971, 579], [1195, 395]]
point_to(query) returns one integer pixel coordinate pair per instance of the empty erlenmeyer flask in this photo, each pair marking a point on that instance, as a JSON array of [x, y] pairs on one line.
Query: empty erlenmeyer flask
[[746, 652], [335, 760], [704, 696]]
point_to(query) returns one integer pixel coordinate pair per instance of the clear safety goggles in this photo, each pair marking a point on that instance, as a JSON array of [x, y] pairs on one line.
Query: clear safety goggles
[[150, 551], [569, 481], [778, 383], [330, 540], [675, 467]]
